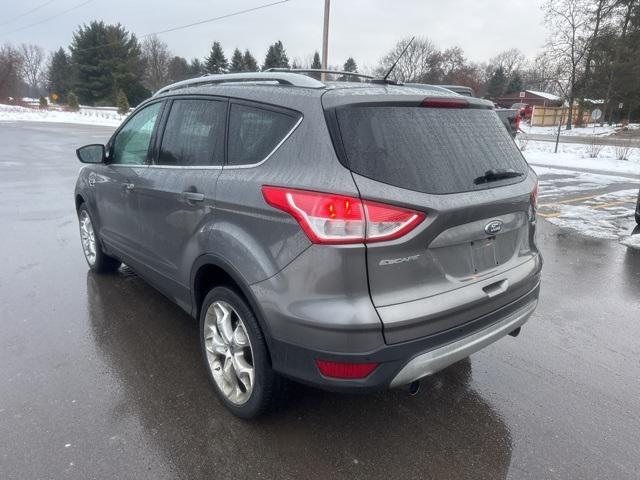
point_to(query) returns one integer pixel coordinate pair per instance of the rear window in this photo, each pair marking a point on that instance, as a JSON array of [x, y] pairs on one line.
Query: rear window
[[255, 132], [430, 150]]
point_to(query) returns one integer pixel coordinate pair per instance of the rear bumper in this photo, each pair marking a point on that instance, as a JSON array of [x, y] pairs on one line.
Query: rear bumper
[[405, 362], [435, 360]]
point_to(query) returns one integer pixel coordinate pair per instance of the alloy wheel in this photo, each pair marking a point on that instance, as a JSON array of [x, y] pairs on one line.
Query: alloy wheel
[[229, 353], [87, 237]]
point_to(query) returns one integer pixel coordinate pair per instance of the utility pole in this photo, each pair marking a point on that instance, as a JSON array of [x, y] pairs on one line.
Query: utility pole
[[325, 38]]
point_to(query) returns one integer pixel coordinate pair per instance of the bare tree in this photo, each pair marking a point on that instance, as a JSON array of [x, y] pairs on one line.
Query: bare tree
[[511, 61], [540, 75], [601, 12], [156, 57], [417, 64], [570, 30], [32, 70], [10, 71]]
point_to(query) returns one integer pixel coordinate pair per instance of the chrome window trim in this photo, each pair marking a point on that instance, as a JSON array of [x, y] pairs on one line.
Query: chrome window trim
[[275, 149]]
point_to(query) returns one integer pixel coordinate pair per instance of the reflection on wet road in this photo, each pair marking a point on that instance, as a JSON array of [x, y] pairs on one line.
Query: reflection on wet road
[[101, 376]]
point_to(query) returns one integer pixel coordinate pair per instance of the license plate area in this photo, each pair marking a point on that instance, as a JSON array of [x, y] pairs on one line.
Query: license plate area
[[483, 254]]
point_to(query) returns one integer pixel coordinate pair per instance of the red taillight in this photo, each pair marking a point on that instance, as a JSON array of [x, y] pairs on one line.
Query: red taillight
[[345, 370], [338, 219], [445, 103]]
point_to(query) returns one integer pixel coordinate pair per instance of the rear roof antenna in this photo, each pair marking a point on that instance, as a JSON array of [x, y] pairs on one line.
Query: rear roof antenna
[[384, 79]]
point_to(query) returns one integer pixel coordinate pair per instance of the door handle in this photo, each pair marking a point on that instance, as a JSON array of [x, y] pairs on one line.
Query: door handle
[[128, 186], [192, 197]]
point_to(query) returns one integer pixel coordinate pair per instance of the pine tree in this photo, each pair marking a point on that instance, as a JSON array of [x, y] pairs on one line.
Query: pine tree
[[249, 62], [101, 72], [216, 62], [350, 65], [237, 62], [316, 64], [276, 57], [196, 68], [497, 84], [59, 74], [72, 101], [122, 103], [42, 103], [515, 84]]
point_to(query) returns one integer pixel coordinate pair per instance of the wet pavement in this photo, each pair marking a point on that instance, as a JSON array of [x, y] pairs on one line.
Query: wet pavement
[[101, 376]]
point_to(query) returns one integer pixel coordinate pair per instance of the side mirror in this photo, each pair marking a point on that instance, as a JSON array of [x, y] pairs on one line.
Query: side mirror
[[93, 153]]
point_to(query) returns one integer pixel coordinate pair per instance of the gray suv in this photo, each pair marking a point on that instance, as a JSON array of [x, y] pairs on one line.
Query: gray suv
[[351, 236]]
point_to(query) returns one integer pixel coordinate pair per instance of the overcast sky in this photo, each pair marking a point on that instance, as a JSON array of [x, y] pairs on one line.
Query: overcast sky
[[364, 29]]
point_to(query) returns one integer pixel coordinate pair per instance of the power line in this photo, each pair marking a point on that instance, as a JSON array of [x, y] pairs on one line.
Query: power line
[[27, 13], [75, 7], [181, 27], [216, 18]]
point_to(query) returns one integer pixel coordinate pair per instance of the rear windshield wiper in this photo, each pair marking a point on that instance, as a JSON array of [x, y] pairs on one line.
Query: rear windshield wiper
[[497, 174]]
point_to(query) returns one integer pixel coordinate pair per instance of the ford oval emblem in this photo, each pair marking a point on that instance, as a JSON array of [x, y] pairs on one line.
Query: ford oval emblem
[[493, 227]]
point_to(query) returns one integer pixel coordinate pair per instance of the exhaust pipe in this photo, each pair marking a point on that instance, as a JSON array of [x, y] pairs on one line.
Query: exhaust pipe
[[515, 333], [414, 387]]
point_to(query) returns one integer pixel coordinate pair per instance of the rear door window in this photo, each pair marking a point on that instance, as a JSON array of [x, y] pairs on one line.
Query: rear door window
[[255, 132], [430, 150], [194, 134]]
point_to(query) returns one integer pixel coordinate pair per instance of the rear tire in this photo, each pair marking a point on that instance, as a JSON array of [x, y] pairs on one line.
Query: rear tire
[[97, 260], [236, 356]]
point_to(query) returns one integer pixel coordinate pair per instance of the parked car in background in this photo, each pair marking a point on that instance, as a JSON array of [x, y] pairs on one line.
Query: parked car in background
[[508, 117], [460, 90], [350, 236], [525, 110]]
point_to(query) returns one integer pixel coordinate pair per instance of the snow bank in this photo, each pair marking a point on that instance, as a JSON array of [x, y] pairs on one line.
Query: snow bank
[[587, 131], [576, 156], [86, 115]]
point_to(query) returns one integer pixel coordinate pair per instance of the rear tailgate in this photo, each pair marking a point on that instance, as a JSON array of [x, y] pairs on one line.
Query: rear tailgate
[[474, 252]]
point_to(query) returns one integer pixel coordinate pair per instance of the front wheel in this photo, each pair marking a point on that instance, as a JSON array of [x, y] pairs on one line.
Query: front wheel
[[235, 354], [97, 260]]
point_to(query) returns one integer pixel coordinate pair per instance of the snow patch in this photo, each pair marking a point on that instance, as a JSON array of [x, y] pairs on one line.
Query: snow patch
[[586, 131], [596, 218], [631, 241], [576, 156], [85, 116]]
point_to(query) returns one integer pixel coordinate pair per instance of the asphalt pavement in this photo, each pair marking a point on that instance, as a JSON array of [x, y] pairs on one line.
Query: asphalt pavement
[[101, 376]]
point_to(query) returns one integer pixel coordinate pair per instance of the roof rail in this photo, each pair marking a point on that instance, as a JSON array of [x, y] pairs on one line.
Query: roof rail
[[319, 70], [283, 78]]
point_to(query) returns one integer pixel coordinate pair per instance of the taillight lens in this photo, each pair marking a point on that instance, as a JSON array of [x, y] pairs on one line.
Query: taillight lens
[[338, 219], [534, 203], [534, 197], [345, 370]]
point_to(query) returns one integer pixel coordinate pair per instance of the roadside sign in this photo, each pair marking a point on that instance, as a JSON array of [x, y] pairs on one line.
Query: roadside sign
[[596, 114], [522, 94]]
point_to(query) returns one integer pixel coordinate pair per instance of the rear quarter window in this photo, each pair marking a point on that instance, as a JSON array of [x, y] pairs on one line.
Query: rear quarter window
[[429, 150], [255, 132]]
